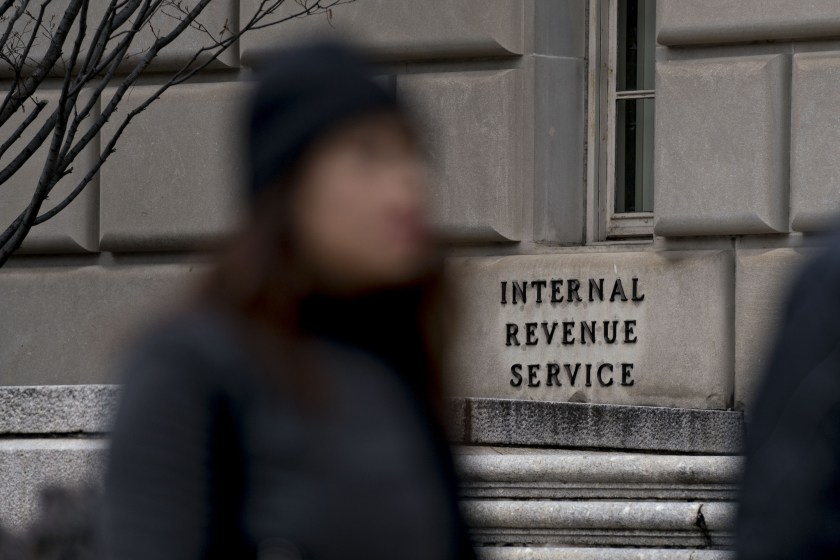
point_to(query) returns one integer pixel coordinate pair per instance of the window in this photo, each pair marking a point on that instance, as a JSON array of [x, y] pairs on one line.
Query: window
[[622, 66]]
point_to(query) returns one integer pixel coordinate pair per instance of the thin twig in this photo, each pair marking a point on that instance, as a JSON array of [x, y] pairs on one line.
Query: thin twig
[[101, 64]]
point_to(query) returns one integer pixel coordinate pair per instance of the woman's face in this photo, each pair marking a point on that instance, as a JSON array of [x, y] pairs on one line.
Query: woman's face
[[360, 208]]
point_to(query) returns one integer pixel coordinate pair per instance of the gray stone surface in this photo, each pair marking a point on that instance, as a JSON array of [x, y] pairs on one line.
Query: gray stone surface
[[82, 319], [763, 281], [721, 146], [57, 409], [688, 22], [592, 553], [738, 50], [71, 409], [397, 29], [686, 311], [578, 425], [474, 125], [29, 465], [74, 230], [539, 473], [559, 139], [815, 131], [600, 523], [176, 181], [559, 28]]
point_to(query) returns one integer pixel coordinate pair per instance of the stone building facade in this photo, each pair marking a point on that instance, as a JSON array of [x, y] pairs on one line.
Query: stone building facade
[[627, 188]]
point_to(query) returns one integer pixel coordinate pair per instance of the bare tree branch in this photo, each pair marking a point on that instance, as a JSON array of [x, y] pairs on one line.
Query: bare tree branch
[[30, 148], [184, 74], [28, 87], [92, 68], [33, 114], [10, 26], [38, 23], [49, 176]]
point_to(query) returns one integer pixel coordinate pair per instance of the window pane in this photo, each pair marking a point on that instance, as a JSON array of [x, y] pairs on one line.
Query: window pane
[[636, 44], [634, 155]]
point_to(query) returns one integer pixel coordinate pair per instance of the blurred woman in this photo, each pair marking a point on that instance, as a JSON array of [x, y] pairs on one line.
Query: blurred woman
[[294, 411]]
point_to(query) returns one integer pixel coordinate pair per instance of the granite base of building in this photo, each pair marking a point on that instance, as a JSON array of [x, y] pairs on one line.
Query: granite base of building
[[528, 490], [570, 553]]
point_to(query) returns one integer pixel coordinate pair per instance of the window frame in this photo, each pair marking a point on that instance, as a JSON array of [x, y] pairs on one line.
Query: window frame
[[603, 223]]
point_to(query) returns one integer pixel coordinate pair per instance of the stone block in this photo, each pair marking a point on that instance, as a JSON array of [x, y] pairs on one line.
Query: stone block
[[474, 127], [593, 553], [603, 426], [67, 325], [538, 473], [217, 19], [74, 229], [57, 409], [559, 28], [764, 278], [665, 339], [30, 465], [176, 180], [559, 141], [399, 29], [729, 175], [688, 22], [600, 523], [815, 132]]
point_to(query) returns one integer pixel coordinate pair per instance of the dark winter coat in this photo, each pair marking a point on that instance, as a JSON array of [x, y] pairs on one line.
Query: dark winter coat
[[211, 459]]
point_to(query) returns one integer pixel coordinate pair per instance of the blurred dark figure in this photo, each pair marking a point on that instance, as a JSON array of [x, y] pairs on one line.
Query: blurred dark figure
[[294, 412], [790, 492]]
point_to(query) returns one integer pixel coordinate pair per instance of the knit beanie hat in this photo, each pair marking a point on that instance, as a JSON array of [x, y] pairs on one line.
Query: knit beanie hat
[[303, 92]]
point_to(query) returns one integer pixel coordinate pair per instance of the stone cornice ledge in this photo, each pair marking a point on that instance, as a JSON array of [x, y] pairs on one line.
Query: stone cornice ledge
[[574, 553], [600, 523], [57, 409], [688, 22], [525, 473], [88, 409], [596, 426]]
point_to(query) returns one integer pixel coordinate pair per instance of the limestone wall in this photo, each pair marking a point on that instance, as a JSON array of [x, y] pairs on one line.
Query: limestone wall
[[538, 480], [746, 182], [745, 124], [476, 74]]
